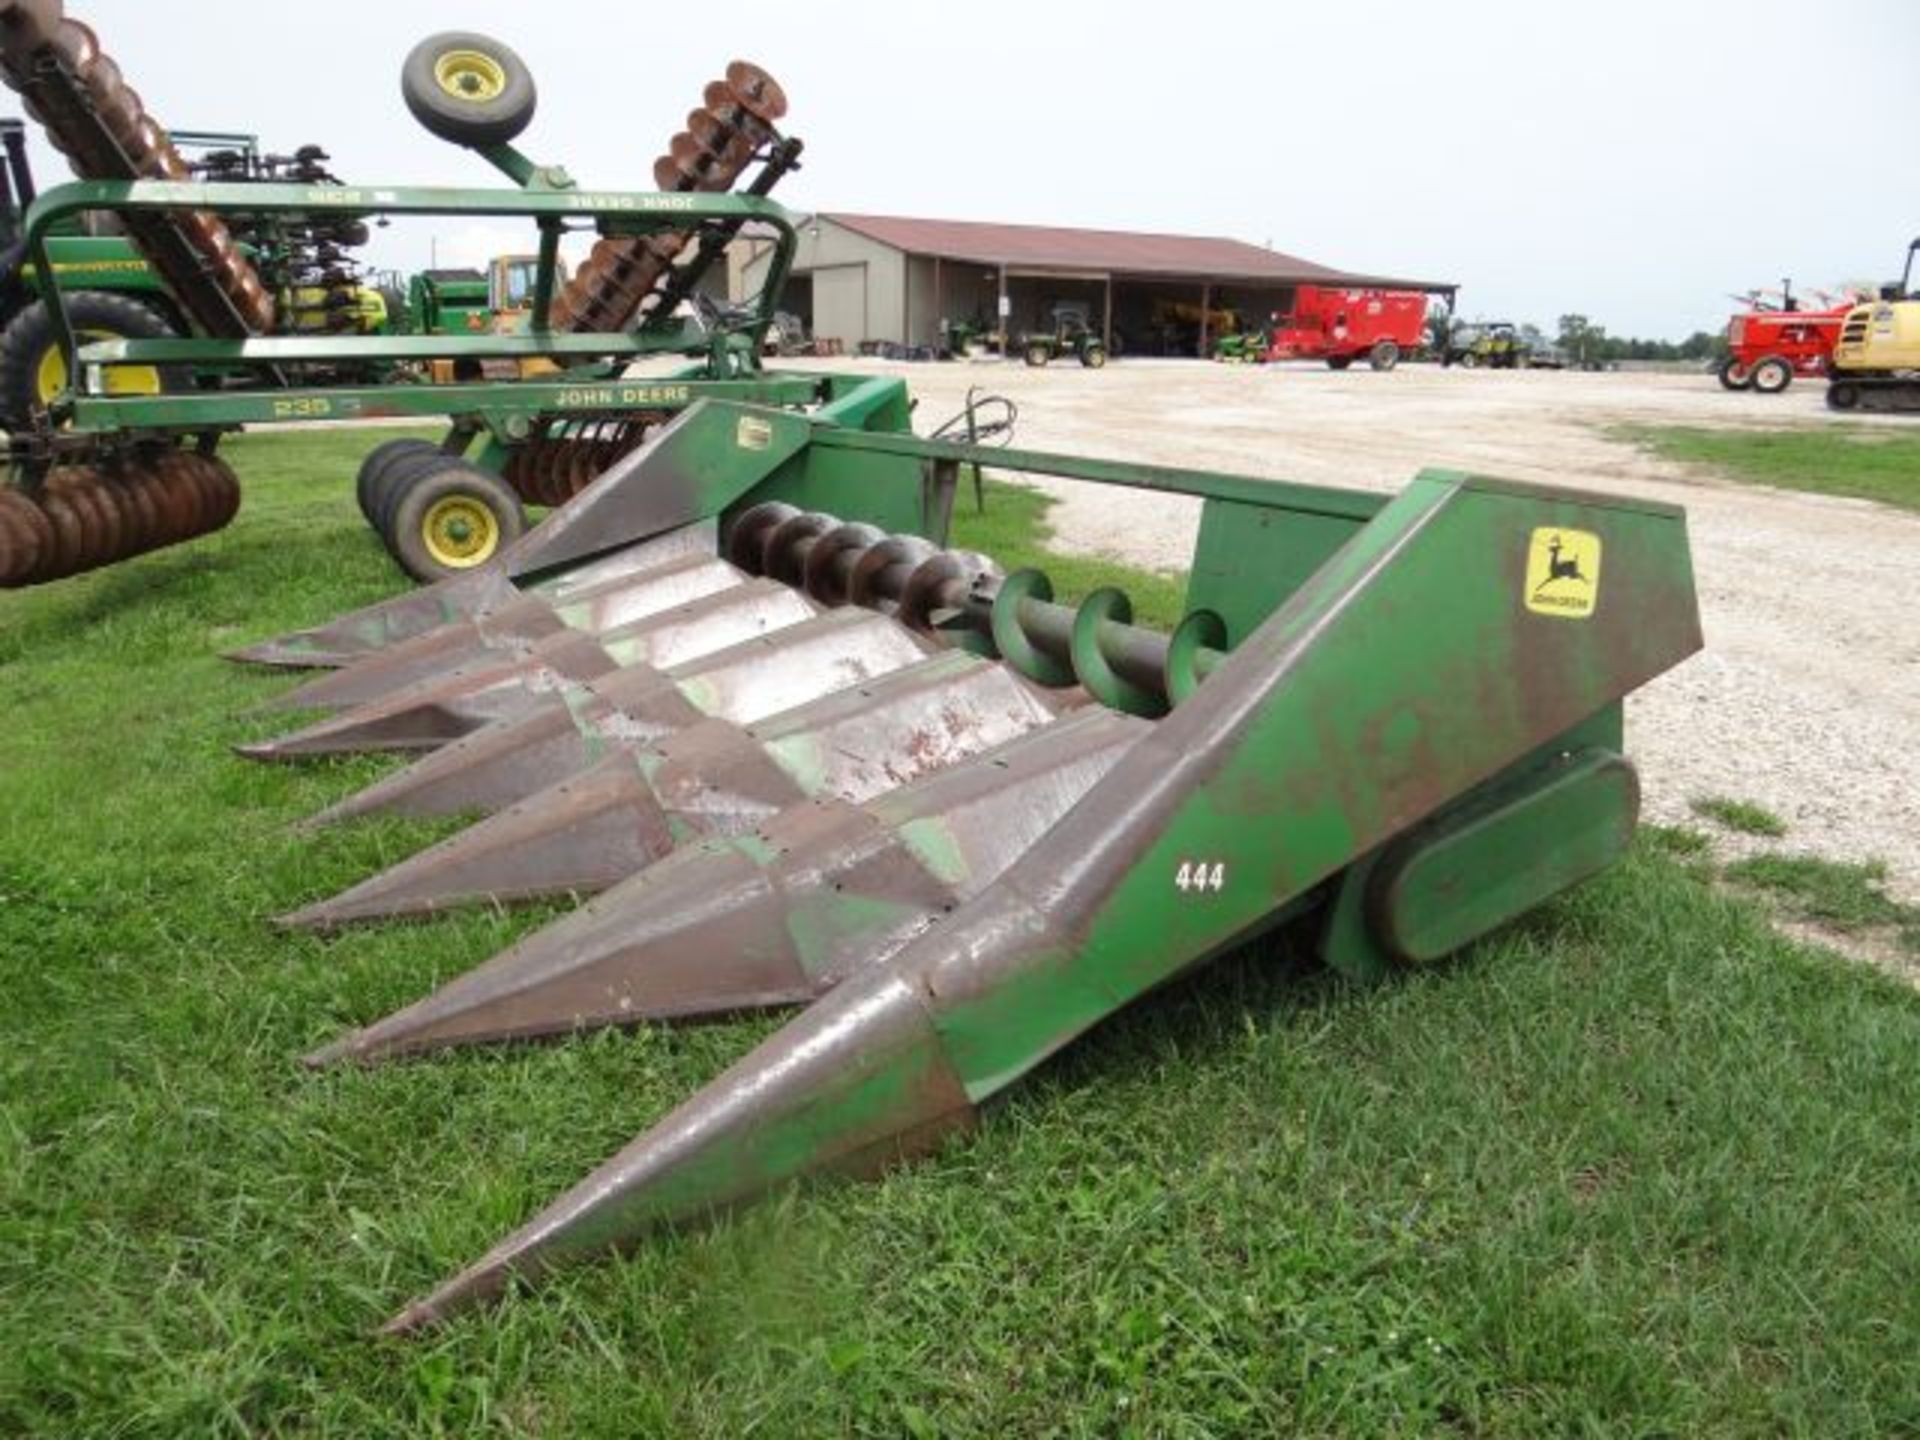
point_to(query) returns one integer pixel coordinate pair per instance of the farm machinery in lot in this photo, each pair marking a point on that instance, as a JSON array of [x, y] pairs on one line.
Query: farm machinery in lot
[[1876, 360], [1071, 333], [1769, 344], [1489, 344], [107, 471], [802, 753]]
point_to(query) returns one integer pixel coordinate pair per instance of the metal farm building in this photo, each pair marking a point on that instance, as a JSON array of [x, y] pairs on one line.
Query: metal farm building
[[866, 278]]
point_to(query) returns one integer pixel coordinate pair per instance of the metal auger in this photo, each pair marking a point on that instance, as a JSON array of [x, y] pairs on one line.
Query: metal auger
[[1394, 722]]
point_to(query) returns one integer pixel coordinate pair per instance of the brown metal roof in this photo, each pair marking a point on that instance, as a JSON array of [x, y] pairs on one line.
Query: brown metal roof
[[1121, 252]]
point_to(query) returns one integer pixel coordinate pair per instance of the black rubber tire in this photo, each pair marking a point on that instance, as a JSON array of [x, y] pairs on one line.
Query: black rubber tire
[[1843, 395], [1732, 374], [468, 121], [1038, 355], [1339, 362], [377, 460], [29, 336], [406, 536], [383, 496], [1094, 357], [1771, 375], [1384, 355]]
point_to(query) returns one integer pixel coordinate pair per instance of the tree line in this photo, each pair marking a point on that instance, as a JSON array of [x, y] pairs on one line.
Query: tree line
[[1585, 342]]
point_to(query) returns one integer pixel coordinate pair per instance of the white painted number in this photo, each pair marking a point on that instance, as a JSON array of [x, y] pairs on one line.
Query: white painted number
[[1197, 877]]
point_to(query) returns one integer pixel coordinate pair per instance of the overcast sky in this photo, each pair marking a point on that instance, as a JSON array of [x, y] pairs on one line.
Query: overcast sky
[[1630, 160]]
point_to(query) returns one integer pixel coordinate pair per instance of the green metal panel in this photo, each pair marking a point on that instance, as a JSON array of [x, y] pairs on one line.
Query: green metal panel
[[499, 402], [1436, 892], [1337, 725], [96, 262], [1250, 557]]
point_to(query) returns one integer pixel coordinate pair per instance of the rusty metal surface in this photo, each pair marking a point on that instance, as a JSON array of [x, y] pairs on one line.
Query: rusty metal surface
[[100, 124], [83, 516], [876, 1058], [712, 777], [373, 628], [771, 917]]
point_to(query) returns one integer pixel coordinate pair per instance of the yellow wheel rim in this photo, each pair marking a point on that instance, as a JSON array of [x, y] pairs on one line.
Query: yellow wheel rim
[[460, 532], [470, 75], [50, 376]]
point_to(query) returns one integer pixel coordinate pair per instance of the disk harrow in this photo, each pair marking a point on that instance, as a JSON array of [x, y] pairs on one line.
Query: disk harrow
[[621, 281], [257, 255], [808, 755], [562, 457], [88, 515], [98, 121]]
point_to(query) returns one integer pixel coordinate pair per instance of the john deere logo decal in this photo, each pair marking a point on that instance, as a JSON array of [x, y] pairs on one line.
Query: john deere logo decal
[[1563, 573]]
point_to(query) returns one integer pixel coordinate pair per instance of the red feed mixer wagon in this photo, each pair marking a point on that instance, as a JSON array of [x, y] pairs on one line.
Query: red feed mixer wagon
[[1771, 342], [1342, 326]]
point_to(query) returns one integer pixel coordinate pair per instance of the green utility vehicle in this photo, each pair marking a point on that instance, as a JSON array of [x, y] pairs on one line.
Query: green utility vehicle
[[1072, 334], [1489, 344]]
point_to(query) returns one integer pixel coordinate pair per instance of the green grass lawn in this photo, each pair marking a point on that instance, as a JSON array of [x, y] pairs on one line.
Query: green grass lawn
[[1635, 1166], [1865, 462]]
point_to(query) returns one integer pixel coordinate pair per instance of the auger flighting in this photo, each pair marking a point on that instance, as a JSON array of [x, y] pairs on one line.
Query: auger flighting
[[1003, 817]]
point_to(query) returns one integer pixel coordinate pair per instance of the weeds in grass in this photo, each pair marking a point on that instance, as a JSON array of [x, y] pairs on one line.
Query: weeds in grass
[[1742, 816], [1849, 898]]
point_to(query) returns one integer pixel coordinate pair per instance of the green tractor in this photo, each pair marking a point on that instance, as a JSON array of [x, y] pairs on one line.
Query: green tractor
[[112, 292], [1072, 334], [1491, 345]]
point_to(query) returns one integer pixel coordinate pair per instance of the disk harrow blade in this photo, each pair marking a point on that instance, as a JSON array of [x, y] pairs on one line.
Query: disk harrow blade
[[98, 121], [775, 916], [85, 516], [627, 279], [713, 778]]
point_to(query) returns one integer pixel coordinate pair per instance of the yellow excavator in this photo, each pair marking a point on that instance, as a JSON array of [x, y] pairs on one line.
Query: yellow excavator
[[1876, 361]]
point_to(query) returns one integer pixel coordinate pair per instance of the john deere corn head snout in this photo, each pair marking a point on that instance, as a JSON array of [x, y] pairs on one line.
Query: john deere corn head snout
[[806, 756]]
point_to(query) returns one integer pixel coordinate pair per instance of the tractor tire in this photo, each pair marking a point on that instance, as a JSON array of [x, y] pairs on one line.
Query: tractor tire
[[1094, 357], [452, 518], [385, 489], [468, 88], [1038, 355], [366, 483], [1468, 361], [33, 371], [1339, 362], [1733, 374], [1843, 395], [1772, 375], [1384, 355]]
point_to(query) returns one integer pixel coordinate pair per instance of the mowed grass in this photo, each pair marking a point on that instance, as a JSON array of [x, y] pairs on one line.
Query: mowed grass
[[1865, 462], [1634, 1166]]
